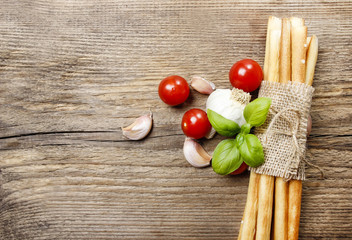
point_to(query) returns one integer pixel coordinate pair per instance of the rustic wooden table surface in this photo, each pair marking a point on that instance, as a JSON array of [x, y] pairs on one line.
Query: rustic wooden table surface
[[73, 72]]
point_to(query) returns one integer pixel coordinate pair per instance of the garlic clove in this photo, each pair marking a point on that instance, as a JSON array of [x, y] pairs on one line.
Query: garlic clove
[[195, 153], [201, 85], [140, 128], [210, 134]]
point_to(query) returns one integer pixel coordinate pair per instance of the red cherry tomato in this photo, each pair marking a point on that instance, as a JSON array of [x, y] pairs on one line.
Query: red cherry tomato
[[240, 170], [195, 123], [173, 90], [246, 74]]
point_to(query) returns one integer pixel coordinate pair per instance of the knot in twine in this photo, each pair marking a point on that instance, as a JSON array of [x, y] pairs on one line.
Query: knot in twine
[[294, 123]]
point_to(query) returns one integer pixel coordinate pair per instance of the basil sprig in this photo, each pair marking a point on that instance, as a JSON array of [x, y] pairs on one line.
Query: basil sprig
[[230, 153]]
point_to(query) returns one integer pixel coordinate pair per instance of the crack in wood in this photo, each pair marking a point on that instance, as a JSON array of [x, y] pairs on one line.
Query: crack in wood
[[51, 133]]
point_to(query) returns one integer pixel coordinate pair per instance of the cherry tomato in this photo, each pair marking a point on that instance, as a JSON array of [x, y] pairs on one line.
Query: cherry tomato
[[195, 123], [173, 90], [246, 74], [240, 170]]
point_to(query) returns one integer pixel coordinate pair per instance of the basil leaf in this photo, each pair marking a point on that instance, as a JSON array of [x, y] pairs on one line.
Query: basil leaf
[[223, 126], [252, 151], [256, 111], [240, 139], [226, 157]]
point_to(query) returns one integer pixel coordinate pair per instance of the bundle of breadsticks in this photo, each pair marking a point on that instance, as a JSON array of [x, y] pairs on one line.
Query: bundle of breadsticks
[[275, 188]]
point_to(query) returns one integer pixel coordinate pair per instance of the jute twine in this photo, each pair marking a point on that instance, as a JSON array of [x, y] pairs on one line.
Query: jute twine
[[283, 135]]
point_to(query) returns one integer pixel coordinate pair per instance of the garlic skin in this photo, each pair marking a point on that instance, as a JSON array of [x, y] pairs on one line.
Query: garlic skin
[[140, 128], [211, 133], [195, 153], [201, 85], [309, 125], [229, 104]]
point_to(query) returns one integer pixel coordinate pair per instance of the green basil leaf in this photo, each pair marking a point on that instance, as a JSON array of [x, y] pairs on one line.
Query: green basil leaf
[[240, 139], [252, 151], [226, 157], [256, 111], [223, 126]]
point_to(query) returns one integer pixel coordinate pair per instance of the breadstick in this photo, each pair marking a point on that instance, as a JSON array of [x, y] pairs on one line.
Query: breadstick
[[281, 186], [266, 183], [298, 49], [249, 224], [297, 22], [307, 48], [308, 42], [241, 229], [249, 220], [273, 23], [299, 39], [295, 186], [312, 56], [294, 203], [274, 55], [296, 54], [285, 51], [265, 207], [281, 209]]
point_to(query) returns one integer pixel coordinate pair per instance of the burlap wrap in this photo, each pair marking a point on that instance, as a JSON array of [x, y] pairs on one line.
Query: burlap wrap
[[283, 135]]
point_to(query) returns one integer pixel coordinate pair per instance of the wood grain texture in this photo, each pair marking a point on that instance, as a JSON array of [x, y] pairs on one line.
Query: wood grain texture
[[73, 72]]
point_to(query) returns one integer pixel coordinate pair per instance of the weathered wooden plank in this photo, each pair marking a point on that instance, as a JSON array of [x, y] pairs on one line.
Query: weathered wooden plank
[[73, 72], [65, 190]]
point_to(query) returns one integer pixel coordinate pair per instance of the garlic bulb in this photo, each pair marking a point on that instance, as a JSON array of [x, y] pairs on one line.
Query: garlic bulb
[[139, 129], [229, 104], [195, 153]]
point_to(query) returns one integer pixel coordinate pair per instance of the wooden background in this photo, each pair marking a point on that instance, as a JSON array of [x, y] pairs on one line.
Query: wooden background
[[73, 72]]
